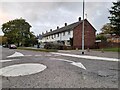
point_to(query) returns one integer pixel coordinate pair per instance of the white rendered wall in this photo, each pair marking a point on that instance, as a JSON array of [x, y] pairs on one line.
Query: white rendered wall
[[61, 37]]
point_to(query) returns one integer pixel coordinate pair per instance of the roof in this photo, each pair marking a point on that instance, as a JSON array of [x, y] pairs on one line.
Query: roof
[[65, 28]]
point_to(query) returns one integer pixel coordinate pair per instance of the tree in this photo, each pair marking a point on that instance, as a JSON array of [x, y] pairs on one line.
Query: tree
[[101, 37], [17, 31], [115, 17], [107, 29]]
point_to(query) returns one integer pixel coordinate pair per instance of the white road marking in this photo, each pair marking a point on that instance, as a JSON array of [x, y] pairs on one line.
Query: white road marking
[[22, 69], [78, 64], [16, 54], [5, 60], [8, 60], [38, 55], [89, 57]]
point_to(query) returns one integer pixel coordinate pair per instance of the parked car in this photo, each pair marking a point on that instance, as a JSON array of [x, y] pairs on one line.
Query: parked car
[[12, 46], [5, 46]]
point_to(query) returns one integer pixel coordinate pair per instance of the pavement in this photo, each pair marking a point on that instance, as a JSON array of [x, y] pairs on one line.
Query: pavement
[[90, 53], [23, 69]]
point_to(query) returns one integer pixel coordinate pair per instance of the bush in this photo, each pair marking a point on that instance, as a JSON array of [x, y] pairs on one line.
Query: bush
[[53, 46], [101, 37]]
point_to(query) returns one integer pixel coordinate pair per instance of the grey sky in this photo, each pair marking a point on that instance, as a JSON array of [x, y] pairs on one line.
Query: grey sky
[[48, 15]]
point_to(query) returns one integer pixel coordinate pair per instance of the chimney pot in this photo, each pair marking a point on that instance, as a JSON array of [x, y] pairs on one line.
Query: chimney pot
[[50, 30], [79, 18], [57, 27], [65, 24], [42, 33]]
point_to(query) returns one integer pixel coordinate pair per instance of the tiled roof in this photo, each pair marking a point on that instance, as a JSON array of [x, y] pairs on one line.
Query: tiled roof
[[65, 28]]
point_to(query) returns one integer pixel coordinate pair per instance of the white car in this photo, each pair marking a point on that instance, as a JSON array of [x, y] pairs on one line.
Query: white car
[[13, 46]]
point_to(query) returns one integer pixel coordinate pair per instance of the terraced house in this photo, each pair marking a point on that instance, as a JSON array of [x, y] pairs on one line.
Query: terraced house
[[72, 33]]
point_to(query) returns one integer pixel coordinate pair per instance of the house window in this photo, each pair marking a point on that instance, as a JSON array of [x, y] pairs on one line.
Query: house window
[[48, 37], [55, 36], [68, 32], [63, 33], [52, 37], [58, 34]]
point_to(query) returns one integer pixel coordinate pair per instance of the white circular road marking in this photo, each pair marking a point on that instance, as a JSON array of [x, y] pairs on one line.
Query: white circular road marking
[[22, 69]]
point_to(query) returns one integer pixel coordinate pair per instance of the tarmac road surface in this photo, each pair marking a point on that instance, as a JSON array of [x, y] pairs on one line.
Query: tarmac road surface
[[30, 69]]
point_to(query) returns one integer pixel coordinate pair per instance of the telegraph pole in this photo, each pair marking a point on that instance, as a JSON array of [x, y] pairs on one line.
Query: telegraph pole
[[83, 31]]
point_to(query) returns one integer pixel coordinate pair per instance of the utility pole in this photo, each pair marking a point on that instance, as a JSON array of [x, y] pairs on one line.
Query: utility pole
[[83, 31]]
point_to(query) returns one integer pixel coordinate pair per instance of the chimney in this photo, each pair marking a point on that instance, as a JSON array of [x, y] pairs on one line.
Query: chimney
[[79, 18], [46, 31], [57, 27], [65, 24], [50, 30]]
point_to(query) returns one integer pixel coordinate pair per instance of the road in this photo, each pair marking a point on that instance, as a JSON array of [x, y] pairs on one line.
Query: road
[[52, 70]]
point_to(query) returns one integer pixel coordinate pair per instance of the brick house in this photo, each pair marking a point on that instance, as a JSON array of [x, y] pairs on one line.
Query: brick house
[[74, 32]]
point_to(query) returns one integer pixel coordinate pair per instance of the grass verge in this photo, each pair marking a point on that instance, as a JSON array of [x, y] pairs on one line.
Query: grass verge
[[40, 50], [109, 49]]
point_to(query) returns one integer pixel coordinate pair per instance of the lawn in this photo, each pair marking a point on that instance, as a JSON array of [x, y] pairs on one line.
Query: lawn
[[109, 49]]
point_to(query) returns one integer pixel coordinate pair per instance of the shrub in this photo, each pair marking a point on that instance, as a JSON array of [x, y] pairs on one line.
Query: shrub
[[101, 37], [53, 46]]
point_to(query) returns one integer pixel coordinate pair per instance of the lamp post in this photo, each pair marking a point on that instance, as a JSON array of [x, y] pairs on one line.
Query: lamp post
[[83, 31]]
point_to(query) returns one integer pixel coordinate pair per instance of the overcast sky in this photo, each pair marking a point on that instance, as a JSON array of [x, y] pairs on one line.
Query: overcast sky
[[44, 16]]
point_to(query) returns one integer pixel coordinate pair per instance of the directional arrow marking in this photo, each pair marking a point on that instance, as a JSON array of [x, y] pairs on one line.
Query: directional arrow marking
[[78, 64]]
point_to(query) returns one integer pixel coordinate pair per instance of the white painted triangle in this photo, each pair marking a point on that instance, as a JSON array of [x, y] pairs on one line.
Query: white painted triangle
[[79, 64], [16, 54]]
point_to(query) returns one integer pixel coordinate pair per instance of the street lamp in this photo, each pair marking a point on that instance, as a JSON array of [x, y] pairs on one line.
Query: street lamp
[[83, 31]]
